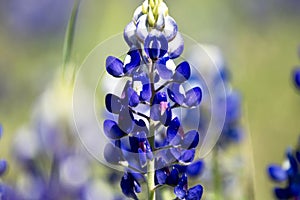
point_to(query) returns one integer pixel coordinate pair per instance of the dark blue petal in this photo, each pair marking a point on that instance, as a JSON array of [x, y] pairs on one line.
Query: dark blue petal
[[195, 169], [193, 97], [277, 173], [112, 154], [160, 97], [181, 189], [160, 176], [146, 93], [174, 94], [298, 156], [135, 60], [114, 66], [156, 46], [190, 140], [296, 77], [133, 97], [180, 168], [195, 193], [173, 129], [3, 167], [162, 69], [176, 46], [125, 121], [113, 103], [112, 130], [173, 177], [128, 185], [282, 193], [182, 73]]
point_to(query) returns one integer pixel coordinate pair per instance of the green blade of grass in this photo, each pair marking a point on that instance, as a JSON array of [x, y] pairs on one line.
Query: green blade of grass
[[69, 36]]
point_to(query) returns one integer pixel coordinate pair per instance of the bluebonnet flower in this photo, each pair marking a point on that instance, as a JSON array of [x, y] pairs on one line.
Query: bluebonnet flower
[[148, 138], [289, 174]]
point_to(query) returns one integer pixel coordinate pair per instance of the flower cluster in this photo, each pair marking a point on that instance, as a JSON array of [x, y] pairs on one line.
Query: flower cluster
[[148, 137], [289, 173], [232, 131]]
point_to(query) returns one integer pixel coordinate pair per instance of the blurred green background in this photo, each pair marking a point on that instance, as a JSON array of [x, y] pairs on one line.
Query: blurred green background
[[259, 40]]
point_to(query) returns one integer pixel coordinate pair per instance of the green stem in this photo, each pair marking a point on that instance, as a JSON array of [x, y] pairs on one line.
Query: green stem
[[217, 175], [69, 37], [151, 163]]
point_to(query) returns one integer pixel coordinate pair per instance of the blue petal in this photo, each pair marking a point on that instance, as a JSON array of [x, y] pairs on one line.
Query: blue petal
[[173, 129], [182, 73], [112, 130], [125, 120], [128, 185], [141, 28], [3, 167], [112, 154], [296, 77], [298, 156], [283, 193], [190, 140], [166, 117], [129, 34], [181, 189], [185, 156], [173, 177], [133, 97], [114, 66], [155, 112], [195, 193], [146, 93], [142, 157], [148, 150], [174, 94], [135, 60], [156, 46], [195, 169], [176, 46], [233, 105], [293, 163], [160, 176], [113, 103], [160, 97], [162, 69], [170, 29], [193, 97]]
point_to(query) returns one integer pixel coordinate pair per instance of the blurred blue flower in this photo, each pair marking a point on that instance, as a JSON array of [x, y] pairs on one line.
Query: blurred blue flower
[[289, 174]]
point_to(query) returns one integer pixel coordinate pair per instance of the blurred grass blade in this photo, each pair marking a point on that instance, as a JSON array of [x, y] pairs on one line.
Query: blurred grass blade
[[69, 37]]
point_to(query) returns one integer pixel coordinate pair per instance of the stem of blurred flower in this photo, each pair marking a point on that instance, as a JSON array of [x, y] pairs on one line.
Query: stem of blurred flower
[[69, 39], [216, 175]]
